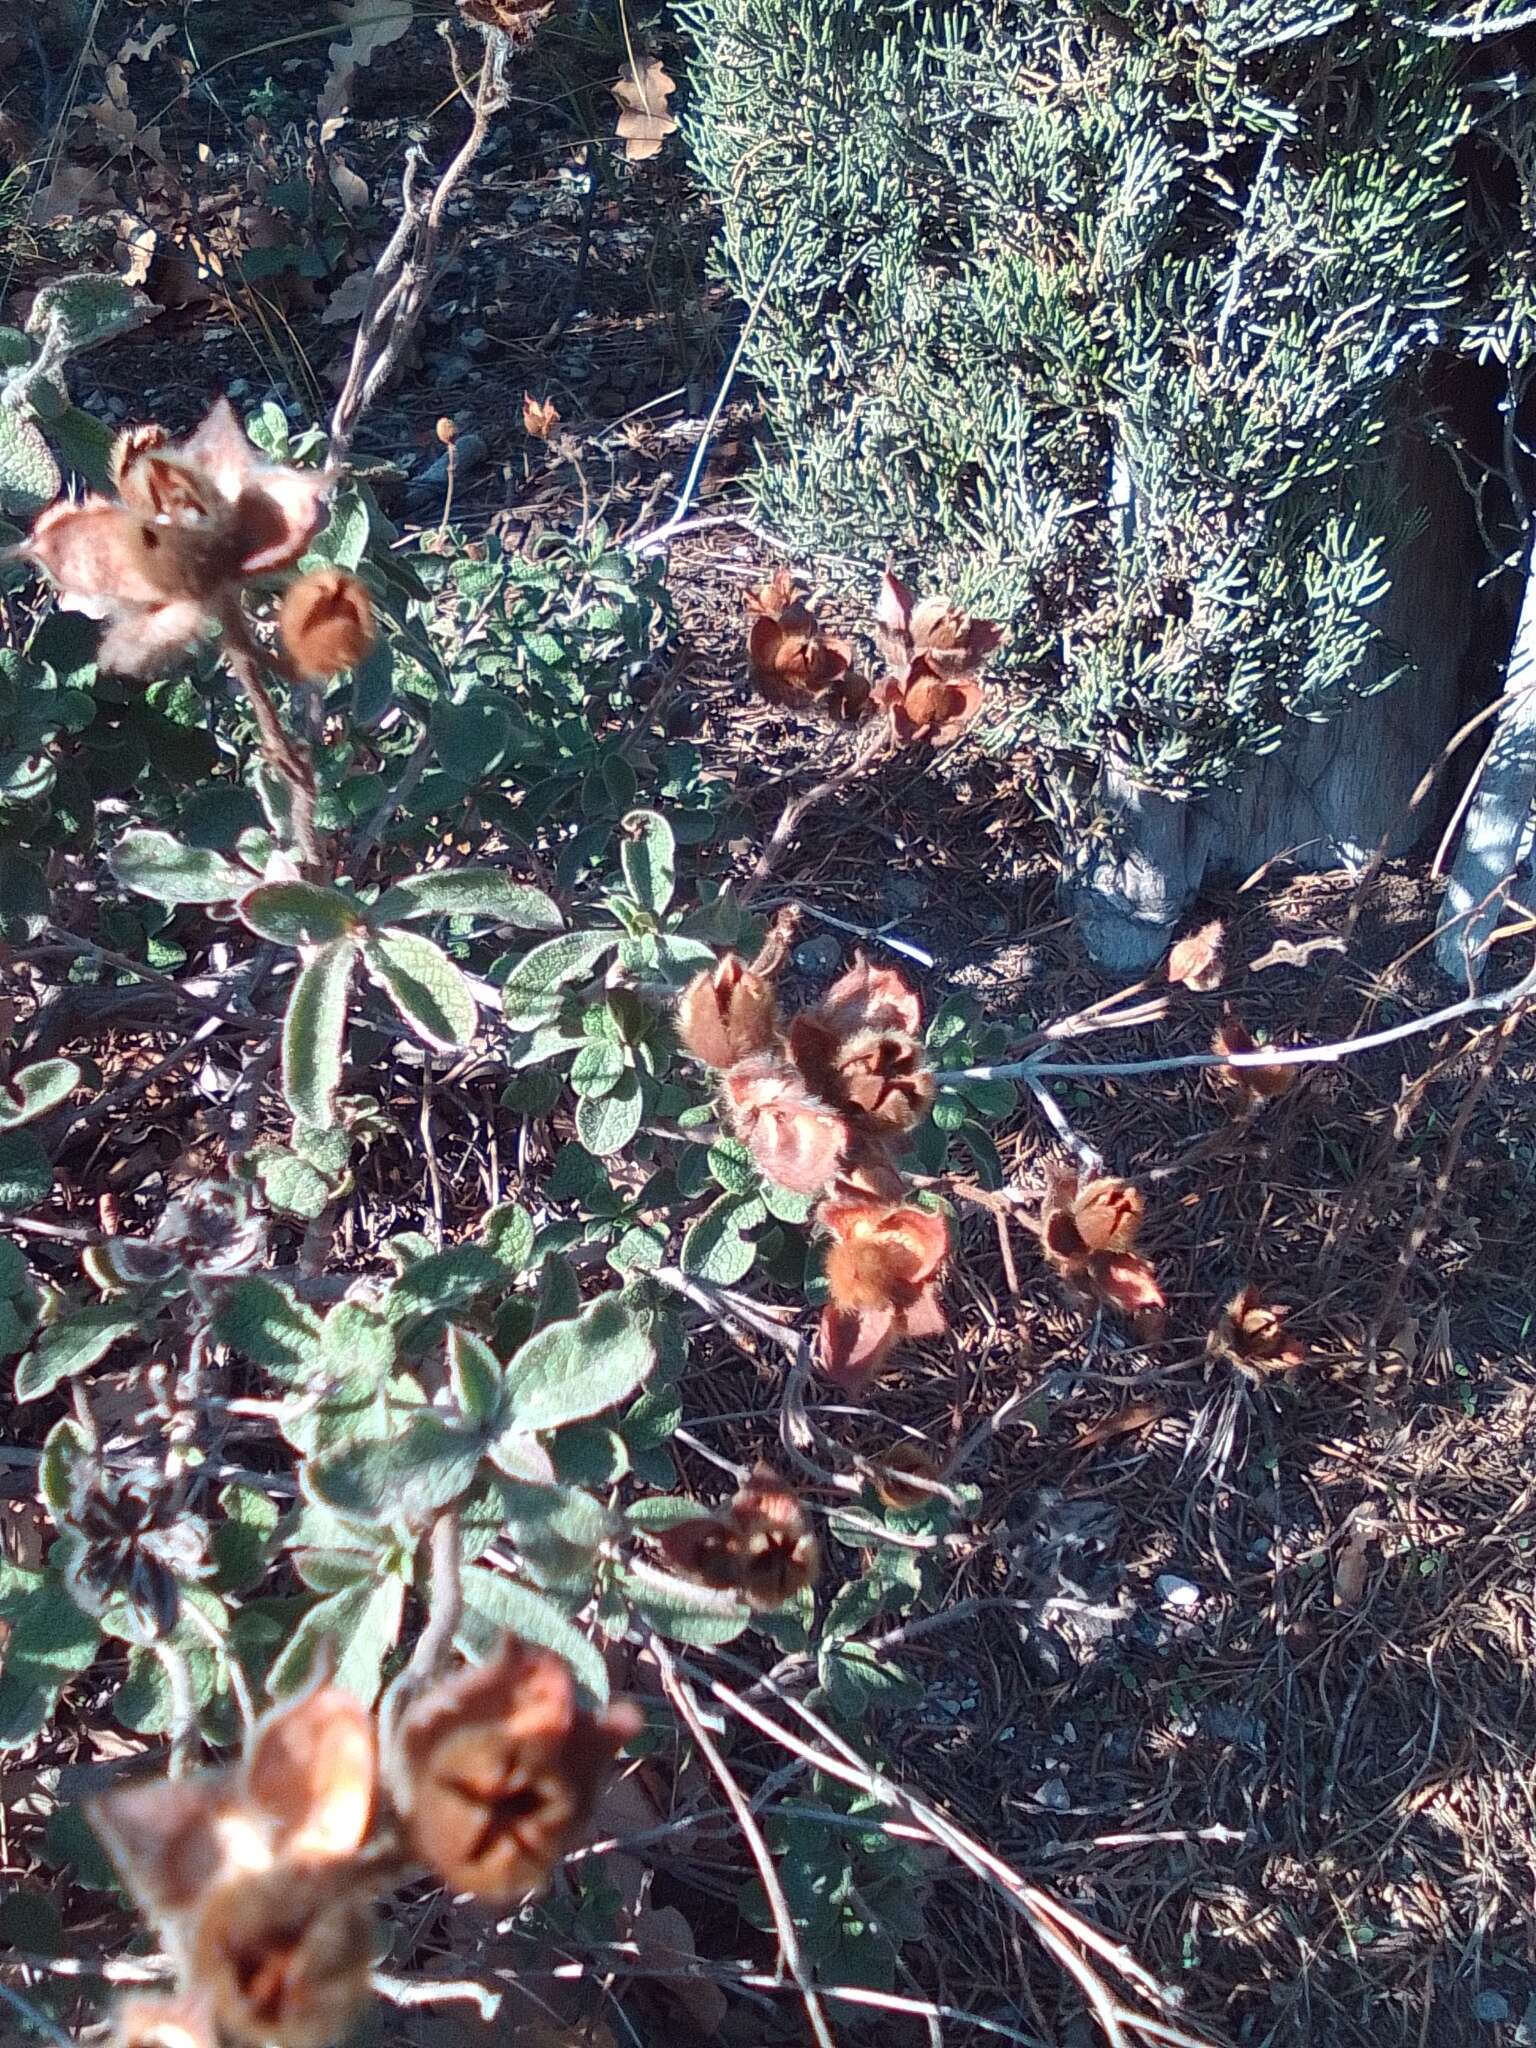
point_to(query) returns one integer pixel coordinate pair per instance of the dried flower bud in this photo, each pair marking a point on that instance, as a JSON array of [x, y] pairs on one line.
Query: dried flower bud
[[325, 623], [876, 1078], [762, 1548], [447, 431], [302, 1801], [1246, 1087], [1251, 1332], [1125, 1282], [727, 1014], [796, 1139], [933, 630], [285, 1959], [869, 998], [893, 1488], [502, 1769], [926, 706], [129, 445], [1078, 1219], [882, 1269], [151, 2019], [777, 1555]]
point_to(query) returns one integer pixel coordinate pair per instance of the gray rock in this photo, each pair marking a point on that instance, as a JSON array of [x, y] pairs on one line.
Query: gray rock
[[1491, 2006], [1054, 1795], [1178, 1592], [821, 955]]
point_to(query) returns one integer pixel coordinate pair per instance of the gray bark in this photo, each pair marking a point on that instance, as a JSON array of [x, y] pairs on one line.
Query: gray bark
[[1496, 838], [1331, 794]]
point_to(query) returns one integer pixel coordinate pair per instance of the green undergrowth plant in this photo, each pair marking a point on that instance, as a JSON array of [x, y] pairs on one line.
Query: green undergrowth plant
[[361, 1407]]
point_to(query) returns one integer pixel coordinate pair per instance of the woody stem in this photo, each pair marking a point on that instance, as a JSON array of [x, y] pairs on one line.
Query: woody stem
[[864, 756], [288, 758]]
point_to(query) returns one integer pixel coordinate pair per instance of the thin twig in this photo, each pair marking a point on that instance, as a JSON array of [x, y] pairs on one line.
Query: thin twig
[[1267, 1056], [746, 1820]]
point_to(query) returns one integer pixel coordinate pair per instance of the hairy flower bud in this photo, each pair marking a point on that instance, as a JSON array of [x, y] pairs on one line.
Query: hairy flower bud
[[325, 623], [727, 1014]]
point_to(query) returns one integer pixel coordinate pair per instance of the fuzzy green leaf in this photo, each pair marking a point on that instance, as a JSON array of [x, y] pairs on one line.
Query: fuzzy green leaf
[[496, 1606], [530, 993], [267, 1325], [77, 1341], [475, 1375], [430, 993], [362, 1622], [36, 1090], [158, 865], [300, 913], [570, 1370], [606, 1123], [408, 1477], [29, 476], [76, 312], [649, 856], [289, 1182], [507, 1234], [314, 1030], [714, 1248], [25, 1173], [470, 892], [679, 1610], [50, 1641]]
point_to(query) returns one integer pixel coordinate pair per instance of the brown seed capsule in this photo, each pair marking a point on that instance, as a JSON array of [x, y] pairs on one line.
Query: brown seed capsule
[[325, 623], [447, 431], [503, 1768], [284, 1958]]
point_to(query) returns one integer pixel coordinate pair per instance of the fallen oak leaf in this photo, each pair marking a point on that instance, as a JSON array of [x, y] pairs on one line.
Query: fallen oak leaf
[[644, 124], [540, 418], [1198, 959]]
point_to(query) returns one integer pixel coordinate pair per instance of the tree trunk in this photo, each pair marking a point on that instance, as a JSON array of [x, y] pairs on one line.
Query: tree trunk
[[1496, 838], [1331, 794]]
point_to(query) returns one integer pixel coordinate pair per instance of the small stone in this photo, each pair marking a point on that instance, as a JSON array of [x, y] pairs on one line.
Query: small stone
[[821, 955], [469, 450], [1054, 1795], [1176, 1592], [1491, 2006], [904, 892]]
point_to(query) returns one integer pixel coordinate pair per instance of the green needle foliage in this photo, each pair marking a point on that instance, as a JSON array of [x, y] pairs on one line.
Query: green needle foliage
[[1112, 320]]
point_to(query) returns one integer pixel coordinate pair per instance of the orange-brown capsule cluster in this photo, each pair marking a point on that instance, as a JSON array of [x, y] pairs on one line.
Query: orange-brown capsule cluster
[[1087, 1231], [761, 1548]]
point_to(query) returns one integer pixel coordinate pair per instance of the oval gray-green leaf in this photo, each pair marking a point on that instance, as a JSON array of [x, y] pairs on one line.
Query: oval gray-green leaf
[[314, 1030], [73, 1343], [598, 1067], [408, 1477], [530, 993], [649, 857], [573, 1369], [29, 476], [36, 1090], [496, 1606], [470, 892], [430, 993], [300, 913], [362, 1623], [606, 1123], [158, 865], [714, 1248], [678, 1609]]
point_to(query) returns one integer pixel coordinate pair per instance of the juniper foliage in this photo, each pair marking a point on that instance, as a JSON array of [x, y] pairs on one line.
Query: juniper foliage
[[1111, 318]]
